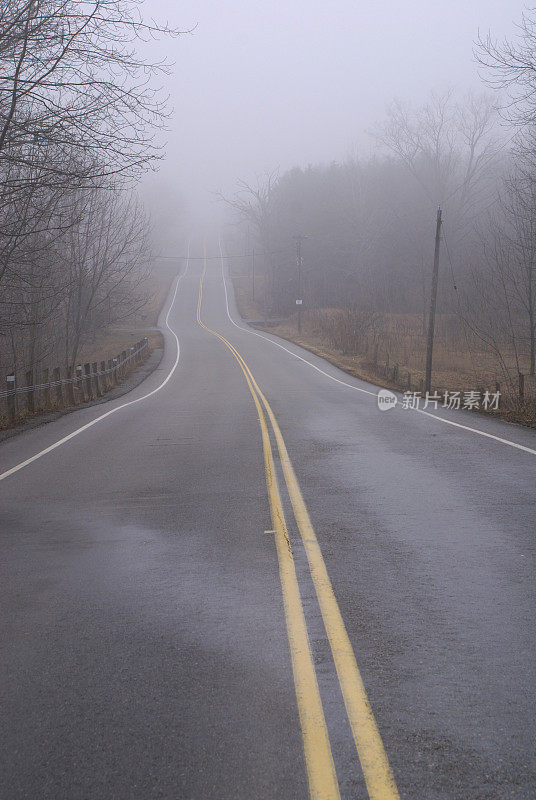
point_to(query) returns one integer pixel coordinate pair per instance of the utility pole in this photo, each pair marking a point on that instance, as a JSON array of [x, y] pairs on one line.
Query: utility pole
[[299, 264], [253, 274], [433, 301]]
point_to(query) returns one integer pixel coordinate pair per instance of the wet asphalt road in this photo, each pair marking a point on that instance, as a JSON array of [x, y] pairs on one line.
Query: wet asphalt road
[[144, 649]]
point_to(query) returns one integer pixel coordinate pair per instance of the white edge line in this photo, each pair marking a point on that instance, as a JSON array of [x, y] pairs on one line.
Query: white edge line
[[357, 388], [76, 432]]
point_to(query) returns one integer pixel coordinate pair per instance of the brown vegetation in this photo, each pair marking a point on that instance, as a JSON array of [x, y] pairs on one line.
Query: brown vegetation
[[389, 350]]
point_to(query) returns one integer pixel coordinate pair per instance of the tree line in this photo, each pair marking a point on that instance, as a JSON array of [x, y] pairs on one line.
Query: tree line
[[367, 225], [80, 115]]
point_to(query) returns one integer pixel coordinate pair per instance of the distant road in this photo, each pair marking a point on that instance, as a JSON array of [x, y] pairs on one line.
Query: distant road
[[244, 581]]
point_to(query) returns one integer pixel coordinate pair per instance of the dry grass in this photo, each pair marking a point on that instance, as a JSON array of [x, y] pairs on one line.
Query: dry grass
[[389, 350]]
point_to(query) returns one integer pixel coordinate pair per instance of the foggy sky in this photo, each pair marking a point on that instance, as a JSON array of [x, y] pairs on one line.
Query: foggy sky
[[265, 85]]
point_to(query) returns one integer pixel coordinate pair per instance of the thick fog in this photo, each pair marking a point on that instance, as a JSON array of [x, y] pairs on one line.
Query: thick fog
[[263, 86]]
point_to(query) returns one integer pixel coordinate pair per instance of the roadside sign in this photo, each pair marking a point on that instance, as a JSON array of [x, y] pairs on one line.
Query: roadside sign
[[299, 302]]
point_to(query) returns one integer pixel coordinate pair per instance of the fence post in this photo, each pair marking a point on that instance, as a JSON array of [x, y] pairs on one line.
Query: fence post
[[30, 398], [80, 383], [46, 390], [11, 399], [86, 383], [521, 387], [97, 392], [70, 387], [395, 372], [87, 372], [56, 376]]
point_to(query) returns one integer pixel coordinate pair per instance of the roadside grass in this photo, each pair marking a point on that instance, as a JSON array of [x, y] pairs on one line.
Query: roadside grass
[[389, 350]]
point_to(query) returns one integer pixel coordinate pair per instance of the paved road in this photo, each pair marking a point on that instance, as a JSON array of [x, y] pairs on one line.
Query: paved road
[[161, 639]]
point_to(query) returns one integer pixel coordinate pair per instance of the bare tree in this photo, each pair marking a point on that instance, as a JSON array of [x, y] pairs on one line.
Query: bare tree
[[447, 146], [79, 108], [104, 255], [254, 204], [80, 115], [72, 82], [514, 261], [511, 66]]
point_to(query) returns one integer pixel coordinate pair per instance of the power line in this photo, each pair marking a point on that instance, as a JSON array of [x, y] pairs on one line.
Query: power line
[[218, 257]]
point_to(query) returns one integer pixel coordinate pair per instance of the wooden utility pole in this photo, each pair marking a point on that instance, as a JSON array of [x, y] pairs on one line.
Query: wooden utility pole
[[433, 301]]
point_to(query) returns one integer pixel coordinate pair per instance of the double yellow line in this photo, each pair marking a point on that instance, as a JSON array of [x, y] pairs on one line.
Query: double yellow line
[[322, 778]]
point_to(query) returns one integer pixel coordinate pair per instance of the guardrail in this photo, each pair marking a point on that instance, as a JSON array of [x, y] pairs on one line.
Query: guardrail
[[87, 383]]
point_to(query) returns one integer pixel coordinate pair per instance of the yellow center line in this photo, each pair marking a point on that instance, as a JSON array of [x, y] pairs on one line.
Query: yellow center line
[[323, 784], [374, 762]]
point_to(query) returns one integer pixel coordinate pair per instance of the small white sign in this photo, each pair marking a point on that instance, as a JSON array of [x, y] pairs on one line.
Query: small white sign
[[299, 302]]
